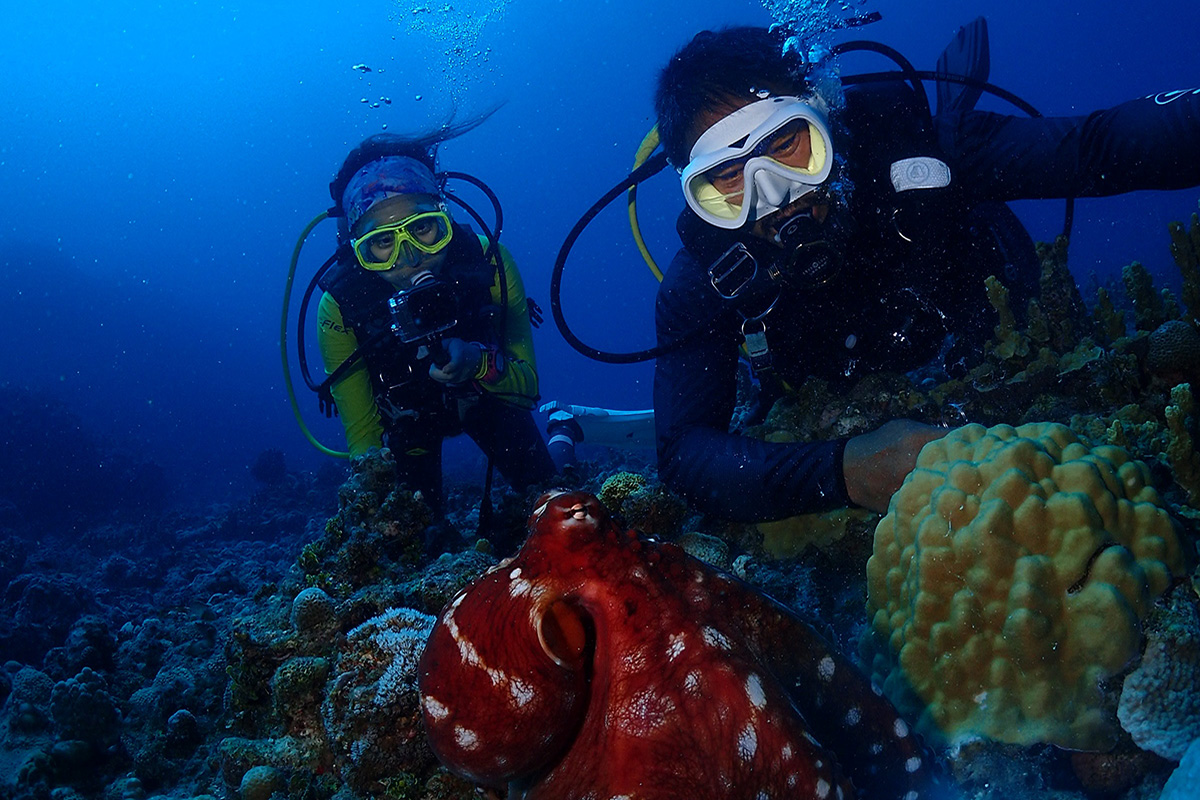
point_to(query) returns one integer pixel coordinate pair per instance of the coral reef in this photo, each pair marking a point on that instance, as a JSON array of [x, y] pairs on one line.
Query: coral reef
[[378, 528], [1185, 249], [1173, 352], [1181, 447], [1151, 308], [237, 650], [372, 712], [788, 538], [1010, 579], [1160, 706], [644, 503]]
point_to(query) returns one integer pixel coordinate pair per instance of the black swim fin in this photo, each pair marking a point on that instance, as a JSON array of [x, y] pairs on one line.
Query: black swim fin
[[968, 56]]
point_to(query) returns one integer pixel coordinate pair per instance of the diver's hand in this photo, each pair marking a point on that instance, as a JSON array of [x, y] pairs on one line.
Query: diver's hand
[[876, 463], [463, 364]]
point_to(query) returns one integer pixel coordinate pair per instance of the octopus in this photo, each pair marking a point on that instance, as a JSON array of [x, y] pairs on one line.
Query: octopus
[[598, 664]]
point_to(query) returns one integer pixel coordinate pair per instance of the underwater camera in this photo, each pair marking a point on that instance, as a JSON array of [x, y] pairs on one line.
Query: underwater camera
[[423, 310]]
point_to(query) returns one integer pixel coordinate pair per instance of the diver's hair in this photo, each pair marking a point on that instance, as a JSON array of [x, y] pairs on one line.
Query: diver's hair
[[422, 147], [715, 68]]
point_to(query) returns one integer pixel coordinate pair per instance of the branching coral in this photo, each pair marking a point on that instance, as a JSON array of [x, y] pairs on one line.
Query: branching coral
[[1010, 341], [1149, 308], [1181, 447], [1185, 249], [1009, 580]]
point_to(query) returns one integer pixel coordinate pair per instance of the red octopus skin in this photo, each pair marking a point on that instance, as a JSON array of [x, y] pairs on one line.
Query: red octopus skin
[[598, 665]]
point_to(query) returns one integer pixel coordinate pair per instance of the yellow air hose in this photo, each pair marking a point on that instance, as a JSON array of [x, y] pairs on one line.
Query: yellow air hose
[[648, 145], [283, 348]]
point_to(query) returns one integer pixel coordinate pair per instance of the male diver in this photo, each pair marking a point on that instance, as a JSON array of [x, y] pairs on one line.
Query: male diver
[[839, 236]]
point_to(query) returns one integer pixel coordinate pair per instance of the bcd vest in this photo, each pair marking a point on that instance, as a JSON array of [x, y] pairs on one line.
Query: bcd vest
[[399, 379], [914, 251]]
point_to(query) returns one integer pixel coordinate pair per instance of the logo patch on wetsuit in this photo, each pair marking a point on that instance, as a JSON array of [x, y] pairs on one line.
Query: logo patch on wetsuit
[[922, 172]]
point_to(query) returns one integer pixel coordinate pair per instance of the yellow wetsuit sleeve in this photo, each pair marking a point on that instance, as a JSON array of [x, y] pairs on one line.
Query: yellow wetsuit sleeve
[[518, 383], [353, 395]]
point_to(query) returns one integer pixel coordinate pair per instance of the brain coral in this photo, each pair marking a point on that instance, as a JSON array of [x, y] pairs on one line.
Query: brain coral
[[1010, 577]]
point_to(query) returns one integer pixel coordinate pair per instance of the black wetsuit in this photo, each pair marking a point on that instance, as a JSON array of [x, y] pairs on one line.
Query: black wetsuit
[[895, 300]]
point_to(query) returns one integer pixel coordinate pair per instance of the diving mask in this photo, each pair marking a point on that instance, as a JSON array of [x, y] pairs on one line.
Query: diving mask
[[426, 232], [757, 160]]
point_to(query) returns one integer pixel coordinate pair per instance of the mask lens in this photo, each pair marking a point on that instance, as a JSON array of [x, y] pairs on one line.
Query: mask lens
[[427, 232], [378, 249]]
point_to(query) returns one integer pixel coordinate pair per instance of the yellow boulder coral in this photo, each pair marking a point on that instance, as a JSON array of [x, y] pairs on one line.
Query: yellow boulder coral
[[1010, 577]]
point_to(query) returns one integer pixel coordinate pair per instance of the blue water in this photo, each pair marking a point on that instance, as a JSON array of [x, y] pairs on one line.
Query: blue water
[[157, 162]]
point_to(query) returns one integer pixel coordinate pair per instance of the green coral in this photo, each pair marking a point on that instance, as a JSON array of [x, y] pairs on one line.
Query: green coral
[[1149, 308], [1181, 447], [618, 487], [1185, 249], [1010, 341], [1059, 319], [297, 687], [643, 504], [1108, 321]]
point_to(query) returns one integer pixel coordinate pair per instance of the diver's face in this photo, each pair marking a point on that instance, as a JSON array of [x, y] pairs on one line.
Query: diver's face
[[409, 261], [792, 147]]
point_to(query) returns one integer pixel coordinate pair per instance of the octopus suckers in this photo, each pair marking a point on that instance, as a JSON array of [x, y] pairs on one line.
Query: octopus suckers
[[825, 668]]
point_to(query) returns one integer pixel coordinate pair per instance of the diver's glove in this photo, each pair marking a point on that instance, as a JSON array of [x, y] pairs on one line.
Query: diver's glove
[[464, 365]]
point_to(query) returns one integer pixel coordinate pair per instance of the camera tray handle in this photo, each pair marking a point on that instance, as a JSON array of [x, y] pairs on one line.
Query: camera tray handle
[[437, 352]]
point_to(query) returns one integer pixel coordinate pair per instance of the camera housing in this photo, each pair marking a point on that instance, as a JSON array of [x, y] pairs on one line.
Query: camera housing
[[425, 309]]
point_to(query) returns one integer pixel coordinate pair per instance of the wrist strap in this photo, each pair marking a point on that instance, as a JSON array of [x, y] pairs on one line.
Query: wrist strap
[[491, 365]]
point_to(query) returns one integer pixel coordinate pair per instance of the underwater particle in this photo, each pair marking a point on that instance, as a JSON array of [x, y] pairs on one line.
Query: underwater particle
[[387, 101], [418, 97], [361, 68]]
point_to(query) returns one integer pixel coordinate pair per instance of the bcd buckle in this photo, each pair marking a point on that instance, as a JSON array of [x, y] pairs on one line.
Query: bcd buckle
[[733, 271]]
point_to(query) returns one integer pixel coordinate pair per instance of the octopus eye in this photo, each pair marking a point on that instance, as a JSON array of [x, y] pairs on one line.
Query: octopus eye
[[543, 501]]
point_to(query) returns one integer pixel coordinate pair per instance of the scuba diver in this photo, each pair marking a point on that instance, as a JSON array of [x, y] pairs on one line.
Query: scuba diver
[[834, 237], [424, 326]]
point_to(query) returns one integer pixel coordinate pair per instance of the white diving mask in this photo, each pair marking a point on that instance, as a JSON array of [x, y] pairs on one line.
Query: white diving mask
[[753, 161]]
